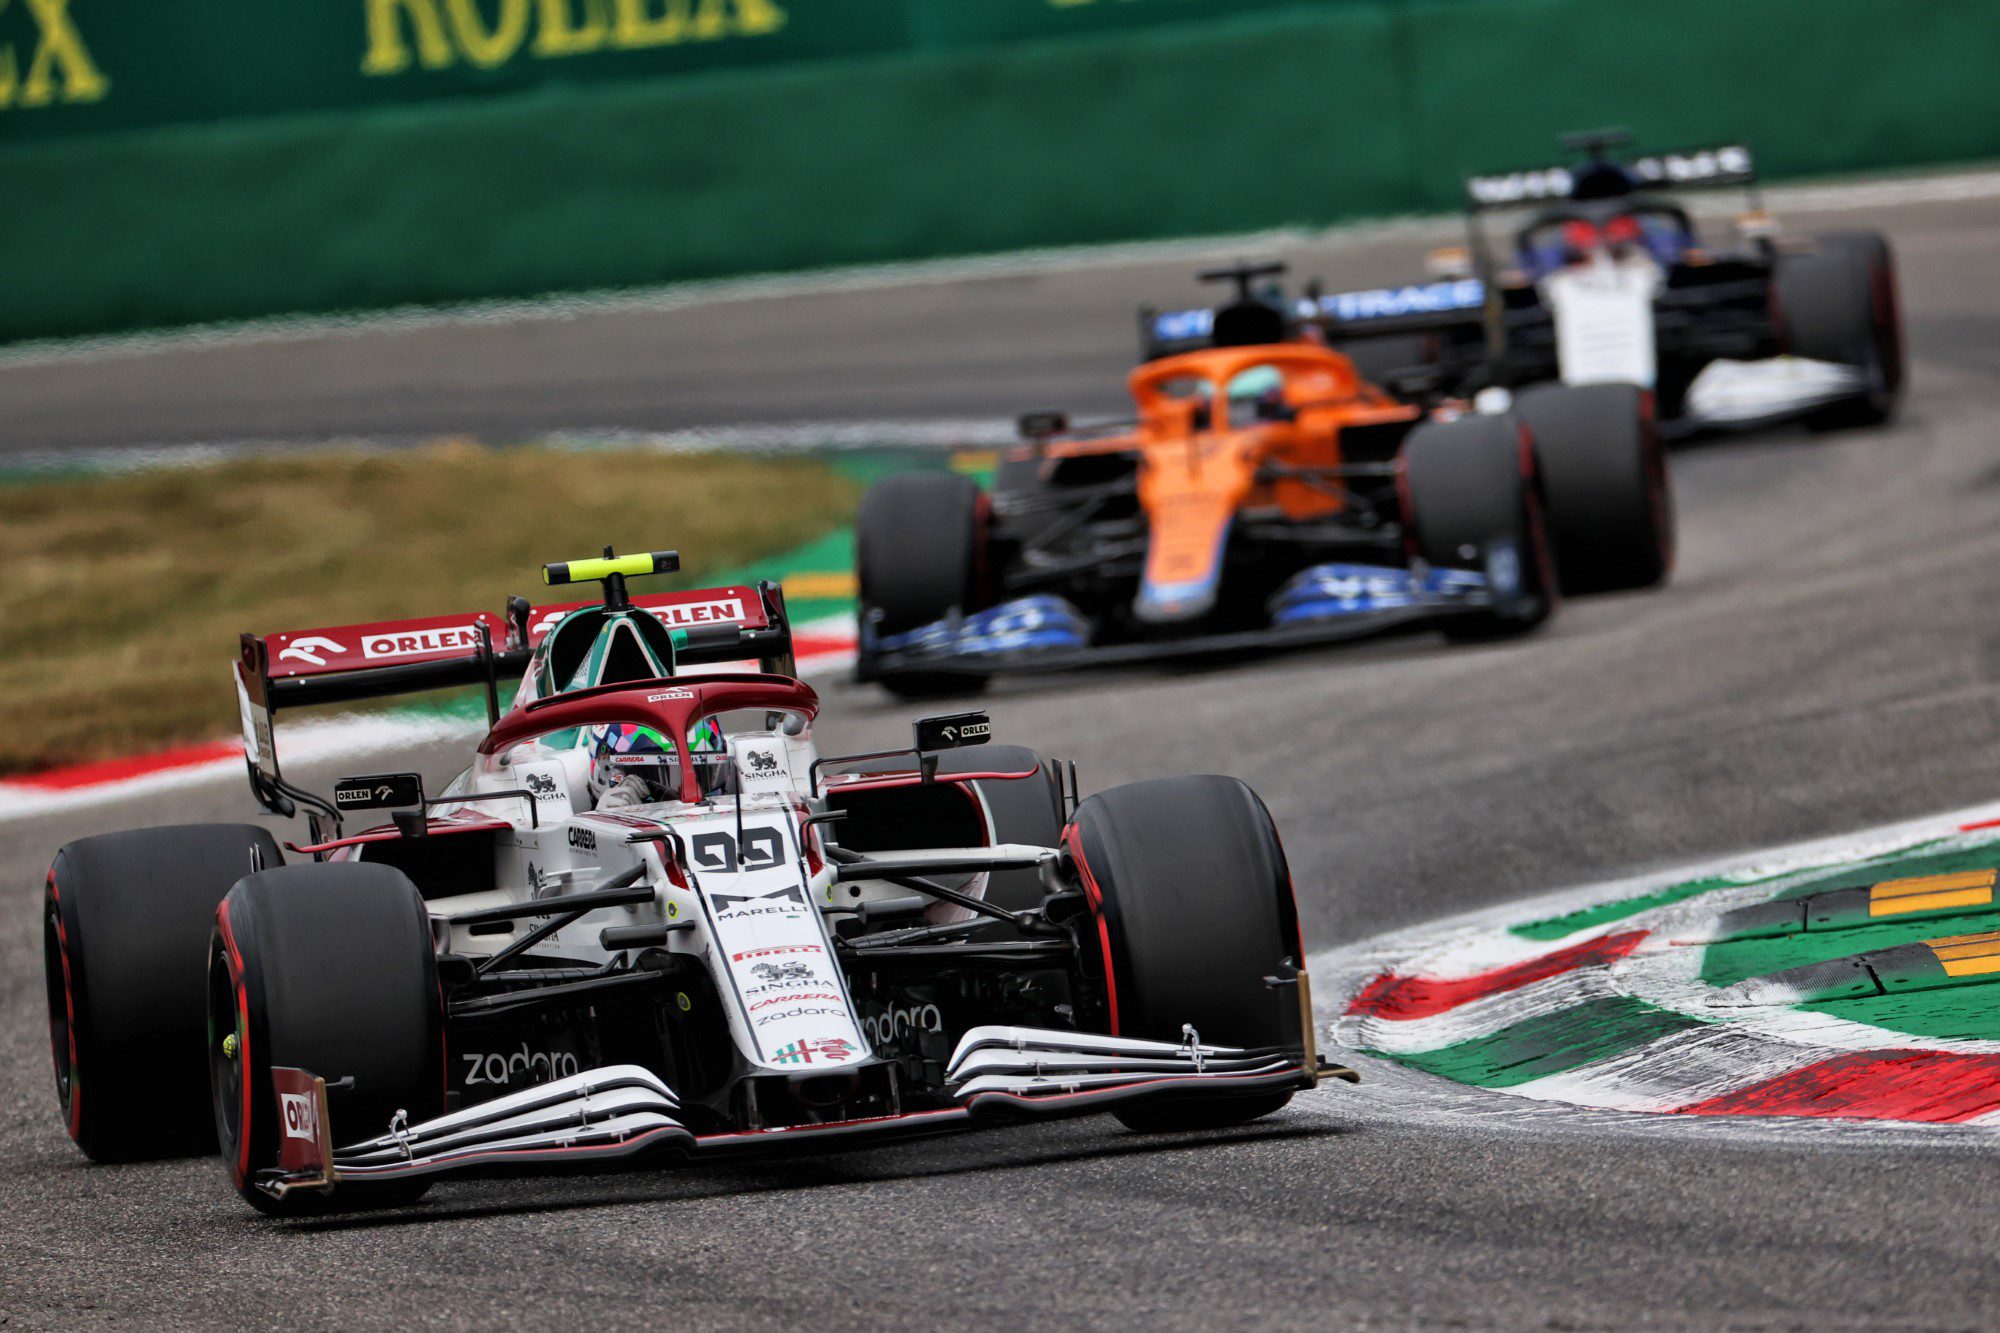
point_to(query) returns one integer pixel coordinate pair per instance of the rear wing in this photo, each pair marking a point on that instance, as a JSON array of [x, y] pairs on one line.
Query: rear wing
[[345, 663], [1715, 166]]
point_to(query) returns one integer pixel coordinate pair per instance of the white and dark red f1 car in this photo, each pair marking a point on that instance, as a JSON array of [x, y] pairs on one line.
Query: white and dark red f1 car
[[650, 921]]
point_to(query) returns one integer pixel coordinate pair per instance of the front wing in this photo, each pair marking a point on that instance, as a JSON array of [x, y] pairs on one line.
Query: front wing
[[626, 1115]]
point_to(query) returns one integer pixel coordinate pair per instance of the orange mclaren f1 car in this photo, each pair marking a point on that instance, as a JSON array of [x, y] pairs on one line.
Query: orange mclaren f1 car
[[1265, 495]]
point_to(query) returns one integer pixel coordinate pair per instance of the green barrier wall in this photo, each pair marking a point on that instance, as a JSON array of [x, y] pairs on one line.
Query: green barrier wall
[[1304, 114]]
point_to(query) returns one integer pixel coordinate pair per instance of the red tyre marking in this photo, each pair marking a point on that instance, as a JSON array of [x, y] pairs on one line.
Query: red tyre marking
[[1073, 840], [75, 1125], [240, 1168], [1396, 997]]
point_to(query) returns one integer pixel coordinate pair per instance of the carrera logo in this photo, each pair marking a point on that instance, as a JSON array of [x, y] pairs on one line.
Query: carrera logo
[[300, 1115], [775, 950], [718, 612], [664, 695], [582, 839], [796, 998], [416, 643]]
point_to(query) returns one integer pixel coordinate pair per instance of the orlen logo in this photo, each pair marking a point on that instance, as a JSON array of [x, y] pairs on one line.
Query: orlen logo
[[415, 643], [664, 695], [300, 1115], [720, 611]]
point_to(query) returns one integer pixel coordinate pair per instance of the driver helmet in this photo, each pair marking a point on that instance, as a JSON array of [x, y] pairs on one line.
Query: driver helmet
[[631, 764]]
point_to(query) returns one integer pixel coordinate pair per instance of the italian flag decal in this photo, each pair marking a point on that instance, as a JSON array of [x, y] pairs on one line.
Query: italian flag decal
[[1858, 982]]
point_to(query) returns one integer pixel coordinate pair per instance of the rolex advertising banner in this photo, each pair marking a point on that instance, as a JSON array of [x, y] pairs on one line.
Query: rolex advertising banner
[[182, 163]]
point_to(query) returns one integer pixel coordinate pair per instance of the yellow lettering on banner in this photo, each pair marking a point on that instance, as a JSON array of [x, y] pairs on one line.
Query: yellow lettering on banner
[[386, 52], [486, 48], [753, 19], [637, 28], [558, 35], [59, 50]]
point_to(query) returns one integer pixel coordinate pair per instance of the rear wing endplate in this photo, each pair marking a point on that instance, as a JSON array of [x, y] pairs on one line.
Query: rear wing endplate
[[346, 663], [1715, 166]]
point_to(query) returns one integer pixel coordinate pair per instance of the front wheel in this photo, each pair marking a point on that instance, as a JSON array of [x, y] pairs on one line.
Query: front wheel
[[919, 555], [328, 968], [1838, 302], [1471, 500], [1193, 899], [1604, 479]]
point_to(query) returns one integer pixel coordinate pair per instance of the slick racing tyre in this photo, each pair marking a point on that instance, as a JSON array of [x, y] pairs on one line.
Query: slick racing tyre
[[1838, 302], [1021, 810], [327, 968], [124, 919], [1607, 500], [1471, 500], [1193, 899], [919, 544]]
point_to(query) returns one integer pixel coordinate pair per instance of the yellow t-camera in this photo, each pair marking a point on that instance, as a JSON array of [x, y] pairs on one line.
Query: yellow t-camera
[[624, 566]]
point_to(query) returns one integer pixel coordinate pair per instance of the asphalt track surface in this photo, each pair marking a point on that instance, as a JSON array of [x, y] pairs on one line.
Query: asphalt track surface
[[1826, 658]]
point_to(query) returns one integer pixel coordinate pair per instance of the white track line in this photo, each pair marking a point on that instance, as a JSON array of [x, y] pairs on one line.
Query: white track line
[[1838, 195]]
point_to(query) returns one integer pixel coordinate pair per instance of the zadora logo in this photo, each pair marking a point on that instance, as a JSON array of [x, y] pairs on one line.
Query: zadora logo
[[898, 1022]]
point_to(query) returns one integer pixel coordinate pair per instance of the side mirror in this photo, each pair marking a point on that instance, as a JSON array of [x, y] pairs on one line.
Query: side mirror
[[953, 731], [1041, 425], [381, 791]]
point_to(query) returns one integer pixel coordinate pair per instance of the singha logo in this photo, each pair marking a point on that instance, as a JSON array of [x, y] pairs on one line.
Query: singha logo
[[772, 973], [542, 785], [763, 763]]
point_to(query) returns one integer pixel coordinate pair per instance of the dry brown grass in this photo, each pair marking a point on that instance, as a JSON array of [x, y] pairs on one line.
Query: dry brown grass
[[121, 598]]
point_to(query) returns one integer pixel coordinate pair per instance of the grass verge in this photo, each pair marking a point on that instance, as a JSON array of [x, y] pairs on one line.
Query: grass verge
[[121, 597]]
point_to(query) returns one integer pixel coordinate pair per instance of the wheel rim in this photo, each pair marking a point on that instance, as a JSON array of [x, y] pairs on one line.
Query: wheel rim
[[225, 1066], [62, 1014]]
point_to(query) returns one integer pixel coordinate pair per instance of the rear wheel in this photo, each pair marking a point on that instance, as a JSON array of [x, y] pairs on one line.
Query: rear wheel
[[327, 968], [1189, 884], [1838, 302], [919, 546], [1471, 501], [125, 917], [1610, 509]]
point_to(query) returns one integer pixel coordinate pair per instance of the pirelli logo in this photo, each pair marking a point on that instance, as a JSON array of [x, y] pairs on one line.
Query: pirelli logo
[[1932, 893]]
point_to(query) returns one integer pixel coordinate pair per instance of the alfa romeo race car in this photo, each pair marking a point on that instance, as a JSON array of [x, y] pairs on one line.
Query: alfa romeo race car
[[650, 922], [1607, 280], [1265, 495]]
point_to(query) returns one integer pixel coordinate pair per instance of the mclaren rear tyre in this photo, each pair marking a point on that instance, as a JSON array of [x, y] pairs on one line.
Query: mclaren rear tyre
[[330, 969], [1193, 899], [1838, 302], [124, 917], [1471, 500], [919, 544], [1608, 503]]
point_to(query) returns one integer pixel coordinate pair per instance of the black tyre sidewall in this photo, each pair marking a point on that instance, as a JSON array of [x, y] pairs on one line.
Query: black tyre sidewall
[[1840, 302], [1468, 482], [1604, 482], [1189, 884], [327, 968], [125, 922], [919, 542]]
